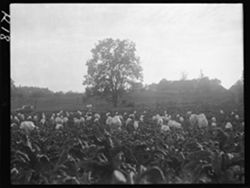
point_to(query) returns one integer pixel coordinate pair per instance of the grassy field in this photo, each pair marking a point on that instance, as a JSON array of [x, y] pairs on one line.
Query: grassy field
[[138, 100]]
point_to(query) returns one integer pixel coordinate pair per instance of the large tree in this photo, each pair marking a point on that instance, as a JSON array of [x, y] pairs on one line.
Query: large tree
[[113, 68]]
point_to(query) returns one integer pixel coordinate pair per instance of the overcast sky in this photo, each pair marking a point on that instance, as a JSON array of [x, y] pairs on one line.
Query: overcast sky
[[50, 43]]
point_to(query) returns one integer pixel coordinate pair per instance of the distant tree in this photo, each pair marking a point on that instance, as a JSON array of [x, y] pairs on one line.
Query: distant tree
[[153, 87], [201, 74], [12, 88], [12, 84], [15, 92], [184, 76], [216, 81], [136, 86], [237, 91], [162, 84], [242, 77], [58, 94], [112, 69]]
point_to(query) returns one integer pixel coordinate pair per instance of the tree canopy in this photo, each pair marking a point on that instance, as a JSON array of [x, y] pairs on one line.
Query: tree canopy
[[113, 68]]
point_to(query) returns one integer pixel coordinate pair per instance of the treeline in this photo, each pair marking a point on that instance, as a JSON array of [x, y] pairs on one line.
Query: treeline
[[188, 86], [20, 92], [196, 91]]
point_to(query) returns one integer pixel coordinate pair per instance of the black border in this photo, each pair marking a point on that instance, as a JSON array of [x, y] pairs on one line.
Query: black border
[[5, 91]]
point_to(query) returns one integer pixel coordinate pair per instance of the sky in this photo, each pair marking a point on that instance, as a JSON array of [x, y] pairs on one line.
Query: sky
[[50, 43]]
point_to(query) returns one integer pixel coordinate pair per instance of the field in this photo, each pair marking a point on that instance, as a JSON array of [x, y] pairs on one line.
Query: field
[[127, 102], [81, 147], [123, 94]]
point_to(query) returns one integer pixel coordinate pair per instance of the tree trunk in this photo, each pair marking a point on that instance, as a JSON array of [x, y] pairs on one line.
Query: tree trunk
[[115, 99]]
